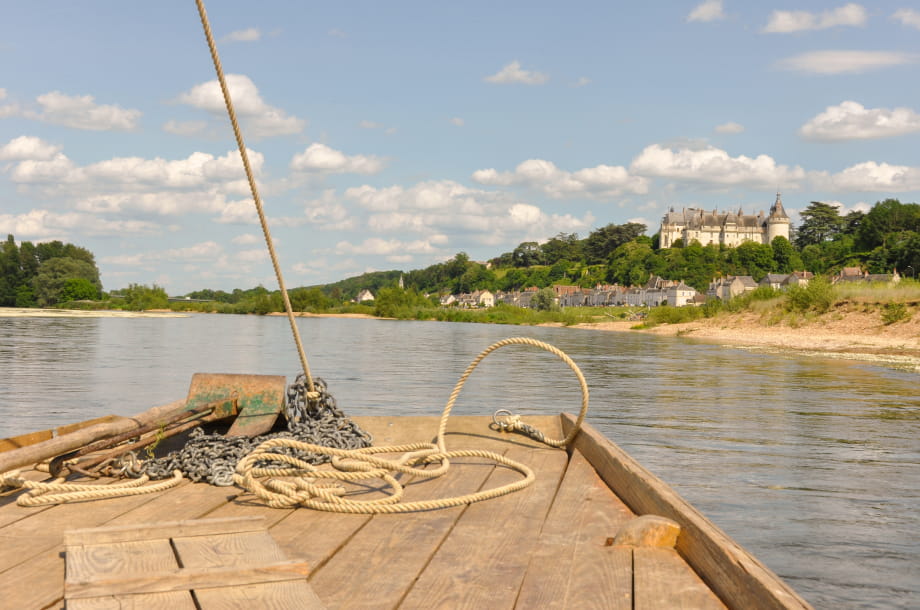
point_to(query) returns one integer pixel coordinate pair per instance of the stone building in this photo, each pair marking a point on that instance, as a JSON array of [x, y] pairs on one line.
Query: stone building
[[725, 228]]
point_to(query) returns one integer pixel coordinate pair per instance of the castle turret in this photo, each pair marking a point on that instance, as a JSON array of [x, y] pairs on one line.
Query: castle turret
[[778, 221]]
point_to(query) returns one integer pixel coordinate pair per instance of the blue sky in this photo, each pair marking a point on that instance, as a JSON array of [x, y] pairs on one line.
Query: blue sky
[[394, 135]]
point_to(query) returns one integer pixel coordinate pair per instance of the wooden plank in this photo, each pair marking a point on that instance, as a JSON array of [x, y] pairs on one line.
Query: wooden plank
[[240, 549], [483, 561], [44, 530], [68, 428], [170, 600], [573, 565], [182, 502], [664, 580], [224, 550], [166, 529], [377, 567], [289, 594], [86, 561], [184, 579], [739, 579], [24, 440]]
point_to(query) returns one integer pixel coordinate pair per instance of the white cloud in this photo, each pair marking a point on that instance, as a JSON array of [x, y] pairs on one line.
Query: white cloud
[[321, 158], [442, 207], [852, 121], [201, 252], [714, 167], [730, 127], [908, 17], [7, 110], [600, 182], [28, 147], [513, 74], [247, 35], [369, 125], [325, 213], [845, 62], [337, 33], [185, 128], [389, 247], [457, 121], [582, 81], [871, 176], [247, 239], [242, 212], [82, 112], [784, 22], [710, 10], [261, 119], [256, 255], [45, 224]]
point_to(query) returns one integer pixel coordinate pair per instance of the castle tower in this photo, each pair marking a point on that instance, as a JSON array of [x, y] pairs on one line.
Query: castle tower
[[777, 221]]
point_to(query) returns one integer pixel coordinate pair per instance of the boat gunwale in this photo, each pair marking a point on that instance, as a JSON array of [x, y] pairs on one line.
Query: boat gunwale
[[733, 573]]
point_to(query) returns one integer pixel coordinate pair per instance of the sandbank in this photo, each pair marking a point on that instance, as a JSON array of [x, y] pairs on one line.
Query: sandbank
[[15, 312], [854, 335]]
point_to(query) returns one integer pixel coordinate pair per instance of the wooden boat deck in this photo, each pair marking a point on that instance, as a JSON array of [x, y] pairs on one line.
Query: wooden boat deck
[[549, 545]]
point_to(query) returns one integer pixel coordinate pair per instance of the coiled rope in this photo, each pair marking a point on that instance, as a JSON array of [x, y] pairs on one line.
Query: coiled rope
[[297, 483]]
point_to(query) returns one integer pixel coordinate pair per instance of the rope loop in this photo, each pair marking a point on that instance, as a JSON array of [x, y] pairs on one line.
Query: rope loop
[[283, 481]]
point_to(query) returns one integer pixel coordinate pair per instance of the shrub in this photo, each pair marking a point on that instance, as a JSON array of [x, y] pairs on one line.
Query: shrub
[[818, 296], [894, 312]]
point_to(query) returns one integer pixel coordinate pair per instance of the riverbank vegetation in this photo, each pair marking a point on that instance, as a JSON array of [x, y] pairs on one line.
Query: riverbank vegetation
[[886, 237]]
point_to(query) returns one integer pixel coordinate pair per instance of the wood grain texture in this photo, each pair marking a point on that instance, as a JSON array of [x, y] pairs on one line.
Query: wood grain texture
[[573, 566], [136, 532], [734, 574], [184, 579], [483, 561], [664, 580]]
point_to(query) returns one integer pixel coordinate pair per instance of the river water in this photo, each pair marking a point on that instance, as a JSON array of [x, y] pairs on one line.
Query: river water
[[812, 464]]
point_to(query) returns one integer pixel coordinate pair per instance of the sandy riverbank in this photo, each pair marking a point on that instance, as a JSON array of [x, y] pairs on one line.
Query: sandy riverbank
[[854, 335], [13, 312]]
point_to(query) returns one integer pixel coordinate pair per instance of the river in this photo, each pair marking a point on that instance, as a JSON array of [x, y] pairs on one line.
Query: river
[[812, 464]]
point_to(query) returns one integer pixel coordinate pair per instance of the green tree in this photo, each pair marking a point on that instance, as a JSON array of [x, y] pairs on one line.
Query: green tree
[[10, 272], [785, 258], [544, 300], [78, 289], [140, 297], [527, 254], [884, 221], [820, 222], [53, 275], [601, 243], [564, 246]]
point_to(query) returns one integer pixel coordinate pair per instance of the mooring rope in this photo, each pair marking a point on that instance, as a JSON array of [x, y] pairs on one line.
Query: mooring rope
[[298, 483], [255, 191], [58, 492]]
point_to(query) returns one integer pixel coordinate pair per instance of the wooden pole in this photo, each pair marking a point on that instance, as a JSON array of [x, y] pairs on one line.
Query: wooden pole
[[32, 454]]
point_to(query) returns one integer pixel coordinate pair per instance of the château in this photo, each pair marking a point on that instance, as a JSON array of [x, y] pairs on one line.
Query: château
[[724, 228]]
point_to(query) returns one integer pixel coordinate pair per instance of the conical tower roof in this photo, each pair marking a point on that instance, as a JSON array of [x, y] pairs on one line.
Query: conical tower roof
[[776, 210]]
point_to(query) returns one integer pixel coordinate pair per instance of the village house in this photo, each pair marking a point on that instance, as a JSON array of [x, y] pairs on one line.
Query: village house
[[364, 296], [855, 274], [728, 287]]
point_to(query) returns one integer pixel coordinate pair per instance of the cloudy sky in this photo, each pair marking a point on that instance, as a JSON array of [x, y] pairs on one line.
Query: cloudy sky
[[394, 135]]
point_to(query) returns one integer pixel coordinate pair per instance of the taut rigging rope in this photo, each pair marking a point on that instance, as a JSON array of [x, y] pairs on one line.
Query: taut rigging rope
[[255, 191]]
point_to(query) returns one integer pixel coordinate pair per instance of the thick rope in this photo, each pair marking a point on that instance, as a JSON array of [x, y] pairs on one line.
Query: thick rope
[[58, 492], [298, 483], [255, 192]]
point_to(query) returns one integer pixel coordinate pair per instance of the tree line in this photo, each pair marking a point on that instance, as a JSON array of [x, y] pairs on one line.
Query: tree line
[[884, 238], [46, 274]]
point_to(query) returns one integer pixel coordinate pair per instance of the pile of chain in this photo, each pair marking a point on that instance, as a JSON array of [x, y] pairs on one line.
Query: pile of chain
[[310, 419]]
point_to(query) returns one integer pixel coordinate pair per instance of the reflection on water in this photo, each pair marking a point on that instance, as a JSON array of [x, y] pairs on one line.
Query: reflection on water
[[813, 464]]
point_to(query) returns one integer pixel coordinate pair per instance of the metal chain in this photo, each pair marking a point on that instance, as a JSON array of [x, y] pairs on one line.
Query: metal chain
[[213, 458]]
